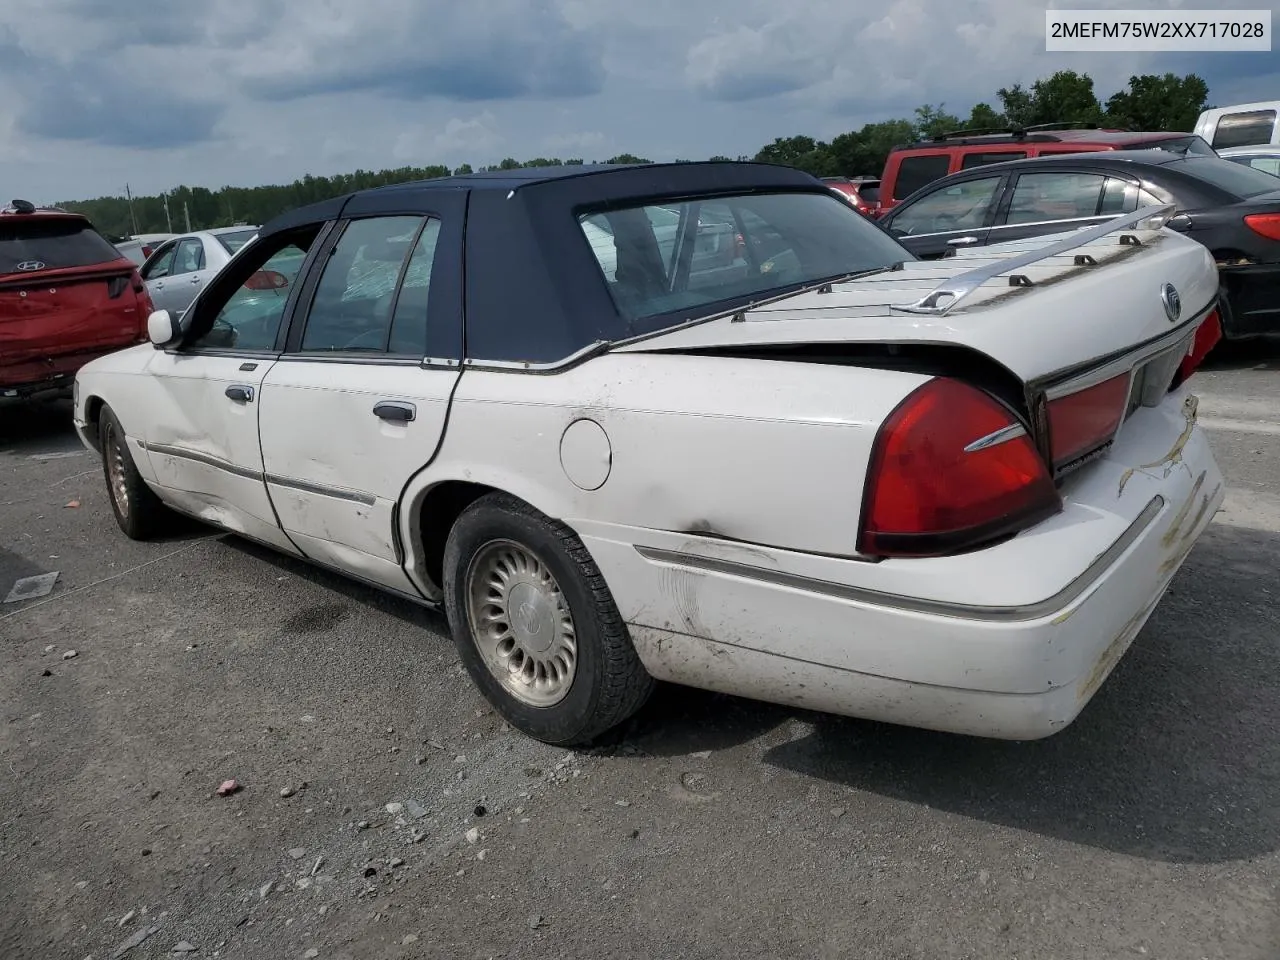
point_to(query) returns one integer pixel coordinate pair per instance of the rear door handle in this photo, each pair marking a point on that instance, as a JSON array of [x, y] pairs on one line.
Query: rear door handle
[[240, 393], [395, 411], [195, 279], [962, 241]]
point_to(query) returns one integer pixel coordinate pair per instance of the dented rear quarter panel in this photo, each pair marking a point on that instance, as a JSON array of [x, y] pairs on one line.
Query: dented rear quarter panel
[[751, 450]]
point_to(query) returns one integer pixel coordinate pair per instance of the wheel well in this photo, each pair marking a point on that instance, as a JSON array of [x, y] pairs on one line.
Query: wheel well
[[441, 507], [92, 412]]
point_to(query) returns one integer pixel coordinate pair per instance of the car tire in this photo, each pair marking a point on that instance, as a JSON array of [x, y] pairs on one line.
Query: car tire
[[520, 590], [137, 509]]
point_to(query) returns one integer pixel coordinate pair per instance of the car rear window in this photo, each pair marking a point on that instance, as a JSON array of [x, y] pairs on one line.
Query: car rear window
[[1247, 129], [1236, 179], [919, 171], [234, 241], [688, 254], [53, 243]]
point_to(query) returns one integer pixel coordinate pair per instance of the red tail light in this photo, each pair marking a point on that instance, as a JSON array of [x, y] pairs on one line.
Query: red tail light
[[1207, 336], [266, 280], [952, 468], [1083, 421], [146, 251], [1264, 224]]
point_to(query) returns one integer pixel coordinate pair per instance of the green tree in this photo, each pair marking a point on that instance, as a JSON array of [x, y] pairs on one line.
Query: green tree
[[462, 170], [804, 153], [1065, 97], [863, 152], [933, 121], [1151, 102], [627, 158], [983, 116]]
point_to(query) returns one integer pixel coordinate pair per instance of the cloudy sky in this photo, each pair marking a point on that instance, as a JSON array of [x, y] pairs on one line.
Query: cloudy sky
[[212, 92]]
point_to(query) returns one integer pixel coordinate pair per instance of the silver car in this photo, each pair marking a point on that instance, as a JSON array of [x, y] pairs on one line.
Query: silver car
[[1265, 157], [180, 268]]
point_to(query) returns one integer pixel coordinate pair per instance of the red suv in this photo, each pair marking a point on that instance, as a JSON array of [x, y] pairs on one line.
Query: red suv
[[67, 296], [916, 165]]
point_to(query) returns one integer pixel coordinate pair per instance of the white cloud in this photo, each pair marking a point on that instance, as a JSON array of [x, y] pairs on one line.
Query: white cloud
[[254, 91]]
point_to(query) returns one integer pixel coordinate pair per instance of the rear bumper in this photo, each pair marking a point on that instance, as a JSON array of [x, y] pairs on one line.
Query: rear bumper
[[1253, 299], [745, 620], [55, 373]]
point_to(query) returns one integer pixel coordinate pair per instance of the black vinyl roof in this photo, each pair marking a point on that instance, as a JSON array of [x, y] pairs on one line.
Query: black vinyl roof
[[576, 184]]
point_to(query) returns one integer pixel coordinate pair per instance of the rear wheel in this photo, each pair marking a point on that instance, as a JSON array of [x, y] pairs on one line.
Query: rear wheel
[[137, 509], [536, 625]]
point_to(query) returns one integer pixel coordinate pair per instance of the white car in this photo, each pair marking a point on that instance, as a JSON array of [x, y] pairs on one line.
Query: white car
[[945, 494]]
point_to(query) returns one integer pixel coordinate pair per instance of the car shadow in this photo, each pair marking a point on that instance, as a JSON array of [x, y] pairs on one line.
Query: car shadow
[[1175, 759], [37, 426], [358, 593]]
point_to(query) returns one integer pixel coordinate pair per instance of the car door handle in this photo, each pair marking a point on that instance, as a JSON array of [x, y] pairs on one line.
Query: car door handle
[[394, 411], [962, 241], [240, 393], [195, 279]]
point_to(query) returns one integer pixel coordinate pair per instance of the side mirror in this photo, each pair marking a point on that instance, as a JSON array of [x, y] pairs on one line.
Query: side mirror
[[162, 328]]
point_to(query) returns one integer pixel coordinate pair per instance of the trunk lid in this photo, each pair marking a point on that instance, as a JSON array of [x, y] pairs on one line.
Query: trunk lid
[[1099, 300]]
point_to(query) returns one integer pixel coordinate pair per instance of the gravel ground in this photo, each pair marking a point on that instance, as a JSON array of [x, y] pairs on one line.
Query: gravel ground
[[385, 812]]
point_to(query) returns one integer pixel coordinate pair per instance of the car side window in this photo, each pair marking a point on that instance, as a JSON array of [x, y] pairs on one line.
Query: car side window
[[960, 206], [161, 264], [409, 322], [1269, 165], [1118, 196], [189, 257], [1042, 197], [352, 309], [250, 318]]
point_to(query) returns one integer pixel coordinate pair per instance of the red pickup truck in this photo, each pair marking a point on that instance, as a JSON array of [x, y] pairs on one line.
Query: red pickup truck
[[67, 296]]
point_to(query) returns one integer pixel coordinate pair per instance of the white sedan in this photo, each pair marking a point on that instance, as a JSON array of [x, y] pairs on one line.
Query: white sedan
[[803, 467], [179, 268]]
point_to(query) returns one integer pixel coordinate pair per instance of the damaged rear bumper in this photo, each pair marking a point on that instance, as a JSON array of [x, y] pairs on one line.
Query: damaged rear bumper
[[805, 631]]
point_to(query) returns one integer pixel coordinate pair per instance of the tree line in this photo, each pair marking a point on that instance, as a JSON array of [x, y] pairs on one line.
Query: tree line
[[1149, 102]]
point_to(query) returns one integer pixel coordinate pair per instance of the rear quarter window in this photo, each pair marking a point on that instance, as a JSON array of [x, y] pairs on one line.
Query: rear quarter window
[[55, 242], [919, 171]]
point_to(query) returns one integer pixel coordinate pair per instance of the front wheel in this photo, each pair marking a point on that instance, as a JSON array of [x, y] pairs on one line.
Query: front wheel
[[536, 625], [137, 509]]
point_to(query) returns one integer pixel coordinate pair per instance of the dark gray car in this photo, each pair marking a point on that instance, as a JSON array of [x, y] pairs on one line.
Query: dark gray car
[[1231, 208]]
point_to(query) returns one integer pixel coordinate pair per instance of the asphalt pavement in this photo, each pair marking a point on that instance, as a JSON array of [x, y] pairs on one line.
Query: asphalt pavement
[[383, 811]]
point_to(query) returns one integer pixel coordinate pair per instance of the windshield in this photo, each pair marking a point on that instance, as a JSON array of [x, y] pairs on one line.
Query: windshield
[[681, 255], [234, 241], [53, 243], [1236, 179]]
